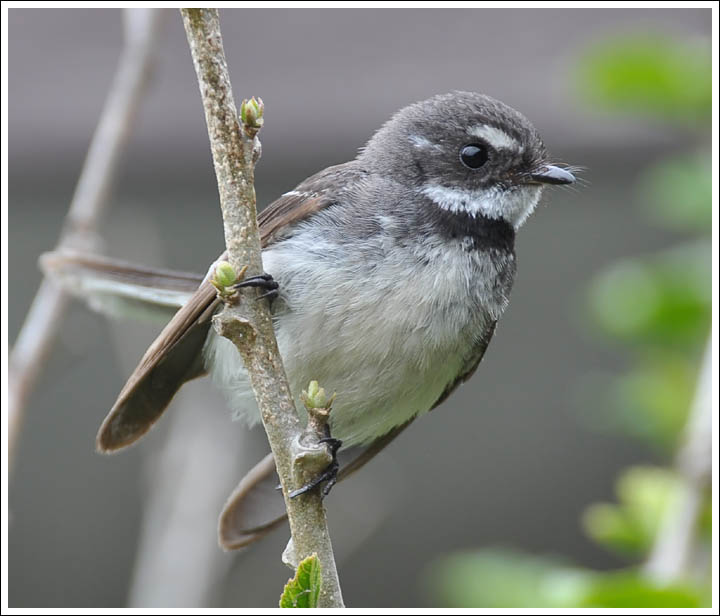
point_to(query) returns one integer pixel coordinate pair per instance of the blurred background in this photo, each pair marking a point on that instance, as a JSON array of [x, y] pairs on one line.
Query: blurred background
[[547, 480]]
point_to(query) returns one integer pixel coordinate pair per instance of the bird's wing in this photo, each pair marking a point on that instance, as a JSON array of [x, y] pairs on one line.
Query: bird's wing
[[256, 507], [176, 354], [471, 363], [172, 359], [312, 195]]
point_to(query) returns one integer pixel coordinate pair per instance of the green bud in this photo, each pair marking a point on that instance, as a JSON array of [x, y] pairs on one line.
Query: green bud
[[313, 389], [251, 112], [315, 397], [259, 106], [224, 274], [224, 277]]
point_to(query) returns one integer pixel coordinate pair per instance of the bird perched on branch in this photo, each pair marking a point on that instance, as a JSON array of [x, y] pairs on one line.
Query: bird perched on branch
[[387, 276]]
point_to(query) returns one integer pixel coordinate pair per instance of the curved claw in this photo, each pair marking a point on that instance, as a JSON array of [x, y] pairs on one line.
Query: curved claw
[[262, 281]]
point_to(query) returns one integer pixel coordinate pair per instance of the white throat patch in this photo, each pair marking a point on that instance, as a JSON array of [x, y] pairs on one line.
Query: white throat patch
[[513, 205]]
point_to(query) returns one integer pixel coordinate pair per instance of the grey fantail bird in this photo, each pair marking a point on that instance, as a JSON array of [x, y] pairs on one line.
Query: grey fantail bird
[[390, 271]]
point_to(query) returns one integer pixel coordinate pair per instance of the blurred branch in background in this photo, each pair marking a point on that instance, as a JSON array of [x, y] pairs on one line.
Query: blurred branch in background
[[658, 308], [43, 320], [676, 552], [178, 561]]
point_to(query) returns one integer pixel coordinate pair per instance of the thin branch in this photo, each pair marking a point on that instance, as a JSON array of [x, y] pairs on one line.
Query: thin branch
[[178, 563], [248, 323], [671, 558], [42, 322]]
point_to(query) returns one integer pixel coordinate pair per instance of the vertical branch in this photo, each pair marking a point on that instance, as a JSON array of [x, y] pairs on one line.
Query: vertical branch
[[672, 555], [42, 322], [178, 563], [248, 324]]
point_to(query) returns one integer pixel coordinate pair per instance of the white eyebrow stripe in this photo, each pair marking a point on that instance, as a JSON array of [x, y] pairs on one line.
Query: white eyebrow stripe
[[495, 137]]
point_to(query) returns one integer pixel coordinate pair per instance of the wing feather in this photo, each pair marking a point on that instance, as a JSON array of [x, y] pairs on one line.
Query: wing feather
[[255, 507], [175, 355]]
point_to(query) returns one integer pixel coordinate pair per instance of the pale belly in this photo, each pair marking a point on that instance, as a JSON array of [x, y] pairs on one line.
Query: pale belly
[[386, 344]]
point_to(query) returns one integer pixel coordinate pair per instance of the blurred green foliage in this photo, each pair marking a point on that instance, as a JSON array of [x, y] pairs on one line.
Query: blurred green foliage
[[645, 495], [677, 193], [509, 579], [505, 578], [651, 402], [650, 74], [630, 527], [656, 307], [664, 300]]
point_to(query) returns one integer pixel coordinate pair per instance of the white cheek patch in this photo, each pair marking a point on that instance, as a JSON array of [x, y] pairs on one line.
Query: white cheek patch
[[513, 205], [494, 137]]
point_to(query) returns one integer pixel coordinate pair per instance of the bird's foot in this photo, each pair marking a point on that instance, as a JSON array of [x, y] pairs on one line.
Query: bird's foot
[[264, 282], [328, 476]]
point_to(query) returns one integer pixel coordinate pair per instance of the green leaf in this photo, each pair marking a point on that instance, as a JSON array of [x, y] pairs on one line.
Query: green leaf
[[504, 578], [677, 193], [657, 74], [630, 527], [652, 401], [628, 589], [508, 579], [664, 300], [610, 526], [304, 589]]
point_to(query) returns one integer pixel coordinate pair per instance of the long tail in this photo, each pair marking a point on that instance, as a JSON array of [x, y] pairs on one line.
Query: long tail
[[123, 289], [256, 507], [120, 289]]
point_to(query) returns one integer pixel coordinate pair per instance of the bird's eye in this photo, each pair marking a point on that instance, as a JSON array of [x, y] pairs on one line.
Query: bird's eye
[[474, 155]]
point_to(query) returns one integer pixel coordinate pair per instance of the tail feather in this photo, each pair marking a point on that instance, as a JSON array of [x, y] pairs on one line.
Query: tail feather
[[256, 507], [120, 289]]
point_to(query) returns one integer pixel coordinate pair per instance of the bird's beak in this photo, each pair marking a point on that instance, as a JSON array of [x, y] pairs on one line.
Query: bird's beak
[[550, 174]]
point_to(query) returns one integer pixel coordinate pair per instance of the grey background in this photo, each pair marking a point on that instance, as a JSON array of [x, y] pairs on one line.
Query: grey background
[[507, 461]]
